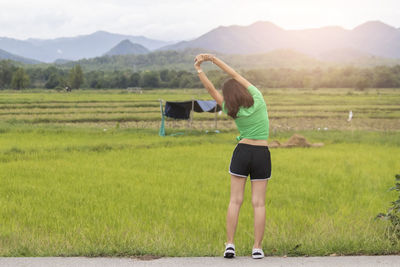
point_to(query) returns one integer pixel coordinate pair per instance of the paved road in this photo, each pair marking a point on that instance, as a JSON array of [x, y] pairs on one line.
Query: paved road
[[373, 261]]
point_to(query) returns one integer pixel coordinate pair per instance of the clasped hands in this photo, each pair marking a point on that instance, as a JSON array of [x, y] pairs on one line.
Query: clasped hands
[[200, 58]]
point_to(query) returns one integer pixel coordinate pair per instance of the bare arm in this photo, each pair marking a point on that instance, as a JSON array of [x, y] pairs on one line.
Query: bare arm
[[229, 70], [208, 85]]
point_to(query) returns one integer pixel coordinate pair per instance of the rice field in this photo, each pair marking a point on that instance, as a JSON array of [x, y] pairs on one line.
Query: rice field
[[86, 174], [289, 109]]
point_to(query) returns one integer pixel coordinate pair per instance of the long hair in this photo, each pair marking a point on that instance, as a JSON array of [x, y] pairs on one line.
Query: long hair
[[235, 96]]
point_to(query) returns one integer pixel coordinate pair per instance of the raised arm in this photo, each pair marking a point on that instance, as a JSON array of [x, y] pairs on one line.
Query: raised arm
[[208, 84], [222, 65]]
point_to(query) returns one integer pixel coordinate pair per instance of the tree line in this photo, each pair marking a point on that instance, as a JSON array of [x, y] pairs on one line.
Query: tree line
[[18, 77]]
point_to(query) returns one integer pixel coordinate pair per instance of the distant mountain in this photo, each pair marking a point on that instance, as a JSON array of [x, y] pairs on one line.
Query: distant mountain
[[183, 60], [126, 47], [60, 61], [368, 42], [73, 48], [22, 48], [356, 57], [6, 55], [374, 38], [343, 55], [178, 60]]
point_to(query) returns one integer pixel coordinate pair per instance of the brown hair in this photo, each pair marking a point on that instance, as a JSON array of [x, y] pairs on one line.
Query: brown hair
[[235, 96]]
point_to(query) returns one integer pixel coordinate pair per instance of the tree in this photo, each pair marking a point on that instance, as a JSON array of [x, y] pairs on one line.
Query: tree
[[151, 79], [20, 79], [360, 83], [164, 75], [6, 73], [53, 81], [134, 80], [76, 77], [122, 81]]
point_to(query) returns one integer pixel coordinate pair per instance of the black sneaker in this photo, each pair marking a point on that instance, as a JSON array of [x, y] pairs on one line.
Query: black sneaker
[[229, 251]]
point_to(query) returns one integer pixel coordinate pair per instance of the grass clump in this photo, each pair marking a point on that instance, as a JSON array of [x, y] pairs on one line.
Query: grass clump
[[393, 215]]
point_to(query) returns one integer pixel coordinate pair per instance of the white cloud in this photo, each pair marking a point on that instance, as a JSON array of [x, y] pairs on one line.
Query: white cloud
[[181, 19]]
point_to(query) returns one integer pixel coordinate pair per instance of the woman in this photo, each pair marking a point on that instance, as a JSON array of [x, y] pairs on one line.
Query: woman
[[245, 104]]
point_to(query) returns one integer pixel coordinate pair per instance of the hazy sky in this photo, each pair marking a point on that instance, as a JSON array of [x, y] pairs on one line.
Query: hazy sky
[[179, 19]]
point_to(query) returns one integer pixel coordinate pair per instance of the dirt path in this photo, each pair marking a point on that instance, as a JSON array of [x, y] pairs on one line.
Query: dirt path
[[372, 261]]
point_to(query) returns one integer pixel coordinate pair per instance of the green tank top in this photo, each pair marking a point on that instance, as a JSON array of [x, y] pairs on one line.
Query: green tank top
[[252, 122]]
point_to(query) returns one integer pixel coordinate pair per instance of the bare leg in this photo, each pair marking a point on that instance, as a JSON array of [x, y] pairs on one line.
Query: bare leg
[[236, 200], [258, 189]]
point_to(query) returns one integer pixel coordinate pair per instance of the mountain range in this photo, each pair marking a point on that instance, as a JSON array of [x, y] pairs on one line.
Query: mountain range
[[72, 48], [6, 55], [373, 39]]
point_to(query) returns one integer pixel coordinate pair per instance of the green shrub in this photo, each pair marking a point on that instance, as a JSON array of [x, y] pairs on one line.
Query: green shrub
[[393, 214]]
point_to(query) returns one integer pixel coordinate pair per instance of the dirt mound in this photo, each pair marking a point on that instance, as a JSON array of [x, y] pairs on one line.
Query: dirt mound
[[274, 144], [295, 141]]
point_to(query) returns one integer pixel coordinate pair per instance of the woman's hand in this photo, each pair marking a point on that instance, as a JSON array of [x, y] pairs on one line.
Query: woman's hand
[[204, 80], [197, 61], [197, 64], [200, 58], [203, 57]]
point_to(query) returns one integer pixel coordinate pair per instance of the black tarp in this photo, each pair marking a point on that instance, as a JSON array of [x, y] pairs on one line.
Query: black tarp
[[181, 110]]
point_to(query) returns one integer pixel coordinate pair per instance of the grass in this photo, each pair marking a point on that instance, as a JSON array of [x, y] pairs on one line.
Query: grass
[[69, 191], [79, 177], [288, 108]]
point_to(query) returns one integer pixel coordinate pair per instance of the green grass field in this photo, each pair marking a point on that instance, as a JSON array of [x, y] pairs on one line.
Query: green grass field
[[293, 109], [82, 189]]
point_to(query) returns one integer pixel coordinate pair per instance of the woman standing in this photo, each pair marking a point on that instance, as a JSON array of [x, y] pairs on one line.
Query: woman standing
[[245, 104]]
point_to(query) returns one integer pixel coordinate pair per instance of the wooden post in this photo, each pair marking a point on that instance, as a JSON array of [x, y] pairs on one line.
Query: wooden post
[[215, 118], [161, 131], [191, 114]]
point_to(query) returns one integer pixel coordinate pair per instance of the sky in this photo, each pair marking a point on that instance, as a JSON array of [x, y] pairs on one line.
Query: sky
[[173, 20]]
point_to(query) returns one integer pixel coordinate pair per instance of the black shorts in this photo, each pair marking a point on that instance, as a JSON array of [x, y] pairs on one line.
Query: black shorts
[[249, 159]]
